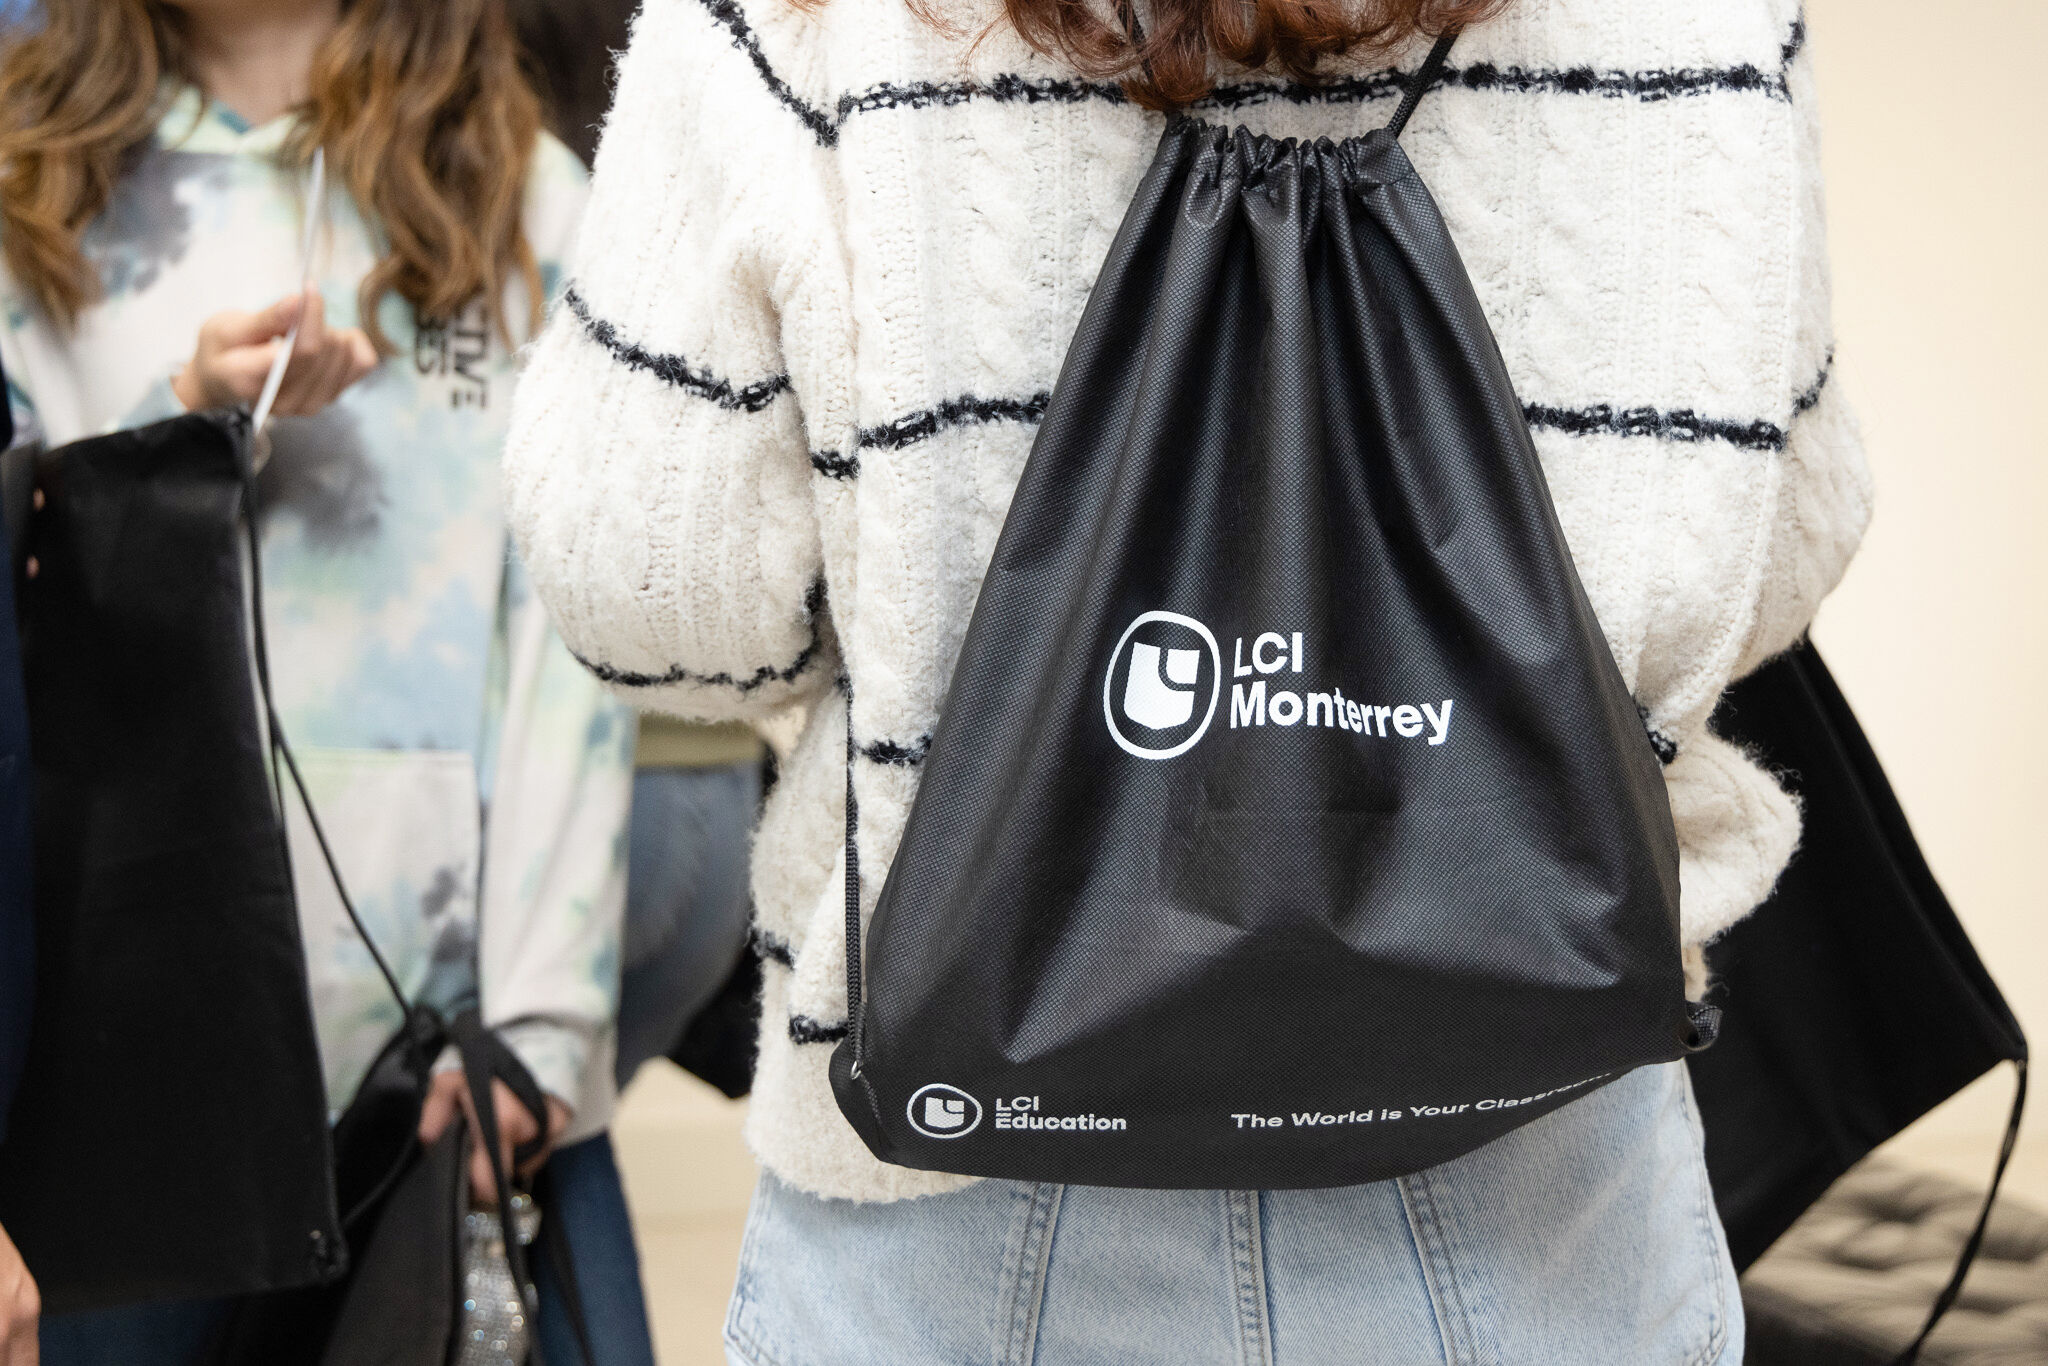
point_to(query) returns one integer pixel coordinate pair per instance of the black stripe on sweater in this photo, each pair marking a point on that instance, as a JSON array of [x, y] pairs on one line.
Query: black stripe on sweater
[[774, 949], [671, 369], [1648, 86], [804, 1029], [1682, 424], [676, 673], [897, 754], [1008, 88], [954, 412], [746, 683], [734, 19], [833, 465], [1810, 399], [918, 426]]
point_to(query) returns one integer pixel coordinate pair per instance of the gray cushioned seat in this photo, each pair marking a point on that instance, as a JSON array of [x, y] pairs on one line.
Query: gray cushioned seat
[[1851, 1282]]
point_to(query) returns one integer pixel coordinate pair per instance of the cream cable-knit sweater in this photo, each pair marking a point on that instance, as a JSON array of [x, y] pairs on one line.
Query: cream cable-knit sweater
[[829, 272]]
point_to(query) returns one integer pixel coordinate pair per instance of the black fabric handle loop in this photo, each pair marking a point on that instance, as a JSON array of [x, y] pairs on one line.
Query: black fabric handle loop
[[1419, 84], [1706, 1026], [486, 1055], [1954, 1289]]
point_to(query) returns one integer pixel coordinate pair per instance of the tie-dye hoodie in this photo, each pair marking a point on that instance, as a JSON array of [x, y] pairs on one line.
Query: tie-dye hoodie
[[473, 778]]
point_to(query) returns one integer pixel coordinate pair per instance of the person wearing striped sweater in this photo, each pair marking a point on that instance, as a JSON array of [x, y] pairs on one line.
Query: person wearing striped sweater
[[834, 258]]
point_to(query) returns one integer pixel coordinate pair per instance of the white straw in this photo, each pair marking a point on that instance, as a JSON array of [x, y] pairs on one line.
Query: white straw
[[315, 190]]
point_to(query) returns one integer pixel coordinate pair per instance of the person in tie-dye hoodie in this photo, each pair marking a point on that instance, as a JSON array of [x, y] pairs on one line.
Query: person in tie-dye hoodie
[[472, 776]]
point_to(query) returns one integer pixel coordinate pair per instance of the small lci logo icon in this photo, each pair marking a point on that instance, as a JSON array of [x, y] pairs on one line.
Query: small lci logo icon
[[938, 1111], [1158, 697]]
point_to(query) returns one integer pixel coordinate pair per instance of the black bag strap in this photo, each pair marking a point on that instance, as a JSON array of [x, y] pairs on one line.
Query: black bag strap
[[853, 974], [282, 760], [486, 1058], [1975, 1243], [1418, 85]]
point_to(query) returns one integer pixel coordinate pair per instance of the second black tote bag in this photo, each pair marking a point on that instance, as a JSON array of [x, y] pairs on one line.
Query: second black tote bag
[[1856, 1000], [1289, 823], [170, 1137]]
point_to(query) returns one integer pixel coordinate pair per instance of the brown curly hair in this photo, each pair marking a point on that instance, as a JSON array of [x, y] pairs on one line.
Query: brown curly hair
[[425, 110], [1173, 65]]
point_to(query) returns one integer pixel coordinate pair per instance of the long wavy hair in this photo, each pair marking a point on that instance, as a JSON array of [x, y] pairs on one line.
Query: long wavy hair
[[1185, 40], [423, 106]]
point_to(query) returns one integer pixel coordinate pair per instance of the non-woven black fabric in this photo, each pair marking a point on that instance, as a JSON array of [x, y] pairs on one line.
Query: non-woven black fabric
[[400, 1309], [402, 1213], [377, 1156], [1289, 823], [170, 1136], [1855, 1001], [719, 1043]]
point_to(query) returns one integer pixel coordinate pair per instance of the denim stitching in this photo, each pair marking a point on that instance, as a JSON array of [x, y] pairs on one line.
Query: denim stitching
[[1703, 1214], [1415, 1245], [747, 1350], [1447, 1298], [1023, 1201], [737, 1337], [1026, 1260], [1248, 1277]]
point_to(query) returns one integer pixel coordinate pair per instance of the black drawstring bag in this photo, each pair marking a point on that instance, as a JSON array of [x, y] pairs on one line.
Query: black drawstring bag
[[1856, 1002], [1288, 823]]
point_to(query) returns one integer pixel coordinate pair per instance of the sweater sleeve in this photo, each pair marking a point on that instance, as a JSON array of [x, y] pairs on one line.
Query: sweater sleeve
[[658, 479], [1737, 826], [1824, 491], [554, 873]]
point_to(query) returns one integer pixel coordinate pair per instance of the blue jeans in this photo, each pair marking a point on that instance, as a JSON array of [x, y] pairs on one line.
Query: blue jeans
[[686, 926], [1586, 1238], [686, 901], [585, 1201]]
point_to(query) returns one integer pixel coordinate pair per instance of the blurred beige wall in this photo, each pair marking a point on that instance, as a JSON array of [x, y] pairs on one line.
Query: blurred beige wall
[[1937, 188]]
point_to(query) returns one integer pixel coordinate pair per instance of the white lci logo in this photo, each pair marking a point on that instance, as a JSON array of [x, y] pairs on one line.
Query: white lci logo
[[1159, 663], [939, 1111]]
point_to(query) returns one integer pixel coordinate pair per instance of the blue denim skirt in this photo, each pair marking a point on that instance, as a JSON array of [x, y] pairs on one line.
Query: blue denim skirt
[[1586, 1238]]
